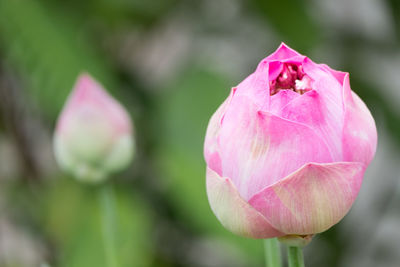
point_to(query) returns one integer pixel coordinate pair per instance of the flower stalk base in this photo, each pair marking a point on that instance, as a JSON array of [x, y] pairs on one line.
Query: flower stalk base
[[272, 253], [295, 257], [107, 207]]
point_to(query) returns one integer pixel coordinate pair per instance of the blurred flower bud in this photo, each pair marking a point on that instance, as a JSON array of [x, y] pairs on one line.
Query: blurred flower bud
[[93, 136], [287, 150]]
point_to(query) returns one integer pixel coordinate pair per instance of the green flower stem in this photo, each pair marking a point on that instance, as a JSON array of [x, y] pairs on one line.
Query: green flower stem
[[107, 210], [295, 256], [272, 253]]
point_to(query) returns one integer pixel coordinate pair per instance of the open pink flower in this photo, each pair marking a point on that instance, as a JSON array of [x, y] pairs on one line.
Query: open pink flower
[[93, 136], [287, 150]]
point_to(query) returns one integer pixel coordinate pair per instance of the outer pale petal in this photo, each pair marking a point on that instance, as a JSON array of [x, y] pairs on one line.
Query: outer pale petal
[[233, 211], [359, 131], [121, 153], [211, 153], [258, 148], [312, 199]]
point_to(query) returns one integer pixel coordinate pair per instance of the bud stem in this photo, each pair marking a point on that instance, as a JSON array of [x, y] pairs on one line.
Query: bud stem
[[295, 256], [107, 208], [272, 253]]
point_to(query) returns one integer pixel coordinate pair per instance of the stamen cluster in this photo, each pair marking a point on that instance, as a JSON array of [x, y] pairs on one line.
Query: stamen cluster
[[292, 77]]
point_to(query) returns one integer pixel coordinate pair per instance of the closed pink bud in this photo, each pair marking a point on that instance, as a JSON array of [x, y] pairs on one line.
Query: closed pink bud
[[93, 136], [287, 150]]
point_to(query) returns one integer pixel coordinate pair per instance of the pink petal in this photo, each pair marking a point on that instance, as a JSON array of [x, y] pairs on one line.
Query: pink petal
[[274, 69], [280, 100], [256, 86], [339, 75], [258, 148], [282, 53], [326, 84], [321, 113], [312, 199], [233, 212], [89, 96], [359, 131]]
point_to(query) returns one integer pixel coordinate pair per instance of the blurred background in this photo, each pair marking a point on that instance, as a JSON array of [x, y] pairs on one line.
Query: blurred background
[[171, 63]]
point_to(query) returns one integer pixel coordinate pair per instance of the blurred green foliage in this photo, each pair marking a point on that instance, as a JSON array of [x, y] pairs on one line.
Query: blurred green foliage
[[70, 215], [73, 217], [47, 52], [117, 13], [48, 43], [290, 19]]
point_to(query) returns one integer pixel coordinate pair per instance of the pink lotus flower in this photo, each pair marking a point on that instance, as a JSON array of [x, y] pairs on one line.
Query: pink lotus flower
[[287, 150], [93, 137]]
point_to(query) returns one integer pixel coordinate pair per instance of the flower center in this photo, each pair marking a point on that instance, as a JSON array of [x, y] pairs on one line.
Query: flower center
[[292, 77]]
